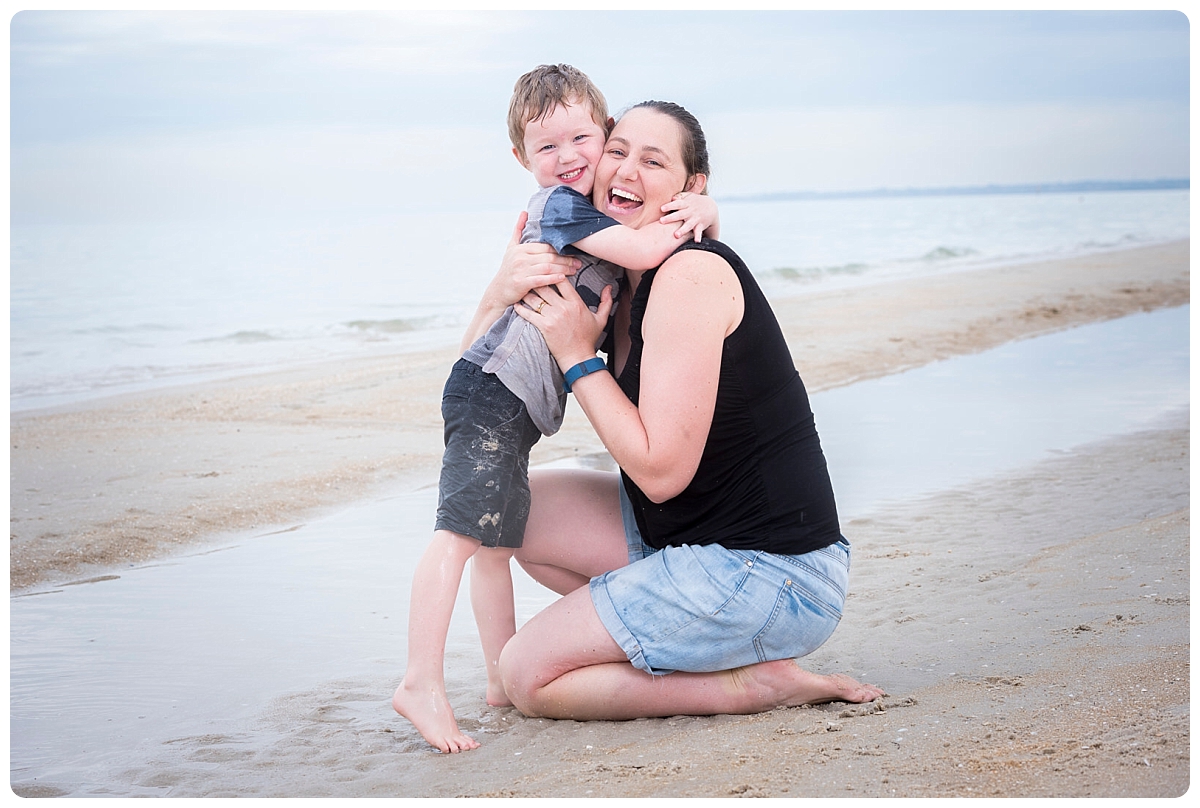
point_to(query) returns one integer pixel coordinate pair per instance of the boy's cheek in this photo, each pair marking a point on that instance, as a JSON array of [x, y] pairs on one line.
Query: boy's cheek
[[589, 182]]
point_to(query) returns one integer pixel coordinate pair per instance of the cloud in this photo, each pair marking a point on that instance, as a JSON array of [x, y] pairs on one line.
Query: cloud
[[194, 113], [80, 75], [412, 42]]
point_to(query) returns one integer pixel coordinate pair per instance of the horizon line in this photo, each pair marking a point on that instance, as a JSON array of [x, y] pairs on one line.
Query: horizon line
[[1081, 186]]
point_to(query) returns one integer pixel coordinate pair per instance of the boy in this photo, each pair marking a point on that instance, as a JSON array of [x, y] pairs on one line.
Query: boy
[[506, 391]]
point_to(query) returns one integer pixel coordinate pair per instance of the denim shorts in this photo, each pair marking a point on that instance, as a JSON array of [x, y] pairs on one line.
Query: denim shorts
[[484, 488], [705, 608]]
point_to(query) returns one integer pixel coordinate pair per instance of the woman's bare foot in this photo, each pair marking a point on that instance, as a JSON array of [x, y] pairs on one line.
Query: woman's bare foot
[[429, 711], [783, 683], [496, 697]]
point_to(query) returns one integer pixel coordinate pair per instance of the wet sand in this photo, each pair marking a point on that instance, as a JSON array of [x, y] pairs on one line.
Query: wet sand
[[1048, 607]]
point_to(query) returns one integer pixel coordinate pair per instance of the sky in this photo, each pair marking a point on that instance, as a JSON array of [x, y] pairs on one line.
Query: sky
[[174, 115]]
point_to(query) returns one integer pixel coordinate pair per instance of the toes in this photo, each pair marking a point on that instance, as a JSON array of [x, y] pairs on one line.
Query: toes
[[462, 744]]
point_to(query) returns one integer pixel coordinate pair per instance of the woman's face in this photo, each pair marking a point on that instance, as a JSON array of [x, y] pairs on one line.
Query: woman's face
[[641, 168]]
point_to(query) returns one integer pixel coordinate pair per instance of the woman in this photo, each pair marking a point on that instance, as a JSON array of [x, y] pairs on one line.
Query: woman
[[716, 558]]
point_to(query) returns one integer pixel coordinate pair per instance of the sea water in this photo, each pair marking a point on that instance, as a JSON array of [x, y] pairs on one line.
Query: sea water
[[117, 677], [102, 309]]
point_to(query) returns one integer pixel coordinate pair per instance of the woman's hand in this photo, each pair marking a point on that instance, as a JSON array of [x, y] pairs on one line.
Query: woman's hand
[[524, 267], [697, 212], [569, 326]]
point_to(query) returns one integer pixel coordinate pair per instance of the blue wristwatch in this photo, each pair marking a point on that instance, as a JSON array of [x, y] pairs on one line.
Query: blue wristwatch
[[577, 372]]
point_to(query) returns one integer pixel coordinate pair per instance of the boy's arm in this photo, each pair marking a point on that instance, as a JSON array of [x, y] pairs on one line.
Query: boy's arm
[[633, 249], [569, 218]]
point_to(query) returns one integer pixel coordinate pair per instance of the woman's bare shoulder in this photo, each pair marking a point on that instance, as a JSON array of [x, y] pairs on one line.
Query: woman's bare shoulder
[[699, 280], [694, 263]]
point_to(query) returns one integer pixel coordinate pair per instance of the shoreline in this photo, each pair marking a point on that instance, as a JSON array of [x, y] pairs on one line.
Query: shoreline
[[1031, 626], [125, 479]]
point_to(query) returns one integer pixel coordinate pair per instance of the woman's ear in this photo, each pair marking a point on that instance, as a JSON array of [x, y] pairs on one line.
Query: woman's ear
[[696, 184]]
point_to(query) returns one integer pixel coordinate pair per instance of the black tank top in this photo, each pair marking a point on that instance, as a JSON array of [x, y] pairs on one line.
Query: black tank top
[[762, 483]]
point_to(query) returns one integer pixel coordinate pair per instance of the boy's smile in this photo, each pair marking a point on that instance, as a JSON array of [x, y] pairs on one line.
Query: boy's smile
[[564, 147]]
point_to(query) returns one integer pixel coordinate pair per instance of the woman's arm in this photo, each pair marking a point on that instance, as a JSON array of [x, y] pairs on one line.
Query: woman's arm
[[695, 303], [523, 268]]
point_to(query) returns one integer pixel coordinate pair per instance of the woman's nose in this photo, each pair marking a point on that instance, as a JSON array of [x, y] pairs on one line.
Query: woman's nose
[[627, 169]]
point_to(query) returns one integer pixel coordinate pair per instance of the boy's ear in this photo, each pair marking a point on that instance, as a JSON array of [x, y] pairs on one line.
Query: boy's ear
[[696, 184], [611, 123], [517, 155]]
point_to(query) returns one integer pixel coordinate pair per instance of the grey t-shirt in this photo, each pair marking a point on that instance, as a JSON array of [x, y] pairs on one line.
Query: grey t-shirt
[[513, 349]]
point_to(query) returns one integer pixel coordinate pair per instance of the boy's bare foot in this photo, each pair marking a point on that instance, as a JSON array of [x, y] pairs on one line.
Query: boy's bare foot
[[786, 684], [496, 697], [429, 711]]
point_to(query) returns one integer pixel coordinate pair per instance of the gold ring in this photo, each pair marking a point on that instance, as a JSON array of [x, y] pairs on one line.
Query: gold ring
[[538, 310]]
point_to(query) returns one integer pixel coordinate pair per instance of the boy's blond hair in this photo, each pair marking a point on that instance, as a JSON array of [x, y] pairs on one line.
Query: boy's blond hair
[[538, 92]]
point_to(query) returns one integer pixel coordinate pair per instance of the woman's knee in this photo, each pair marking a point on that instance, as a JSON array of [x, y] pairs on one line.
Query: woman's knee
[[564, 637], [517, 676]]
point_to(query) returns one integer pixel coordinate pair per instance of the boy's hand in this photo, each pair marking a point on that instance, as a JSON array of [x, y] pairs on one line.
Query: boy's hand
[[697, 212]]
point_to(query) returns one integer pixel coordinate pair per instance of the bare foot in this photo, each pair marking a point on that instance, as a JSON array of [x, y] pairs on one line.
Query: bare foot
[[496, 697], [843, 688], [783, 683], [429, 711]]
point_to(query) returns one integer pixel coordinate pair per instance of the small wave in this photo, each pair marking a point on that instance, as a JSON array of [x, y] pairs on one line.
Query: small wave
[[375, 330], [1124, 241], [125, 329], [814, 273], [399, 325], [243, 338], [947, 253]]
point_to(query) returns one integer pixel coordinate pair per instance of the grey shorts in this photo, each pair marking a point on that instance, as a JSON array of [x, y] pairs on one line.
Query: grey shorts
[[484, 487], [707, 608]]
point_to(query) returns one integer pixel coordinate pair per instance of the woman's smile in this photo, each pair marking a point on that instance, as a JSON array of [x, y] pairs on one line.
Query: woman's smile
[[641, 168], [623, 200]]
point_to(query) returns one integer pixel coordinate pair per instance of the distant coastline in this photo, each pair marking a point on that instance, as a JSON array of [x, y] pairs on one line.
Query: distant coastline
[[1088, 186]]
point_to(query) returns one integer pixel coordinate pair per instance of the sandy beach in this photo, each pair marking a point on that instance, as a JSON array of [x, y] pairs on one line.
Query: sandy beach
[[1032, 629]]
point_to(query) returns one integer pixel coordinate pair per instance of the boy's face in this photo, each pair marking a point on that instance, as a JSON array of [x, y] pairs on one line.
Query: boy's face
[[564, 147]]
